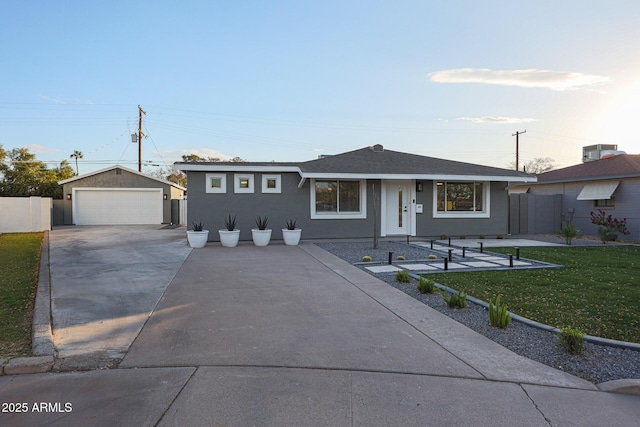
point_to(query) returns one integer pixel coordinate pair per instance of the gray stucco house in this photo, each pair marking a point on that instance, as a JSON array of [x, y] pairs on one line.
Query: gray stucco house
[[349, 195], [116, 195], [570, 195]]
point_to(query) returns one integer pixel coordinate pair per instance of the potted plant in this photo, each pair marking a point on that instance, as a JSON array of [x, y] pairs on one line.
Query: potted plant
[[291, 234], [229, 235], [197, 237], [261, 235]]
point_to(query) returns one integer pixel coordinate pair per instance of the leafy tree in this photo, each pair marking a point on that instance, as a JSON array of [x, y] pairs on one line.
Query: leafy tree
[[179, 177], [537, 165], [21, 175], [193, 158], [169, 174]]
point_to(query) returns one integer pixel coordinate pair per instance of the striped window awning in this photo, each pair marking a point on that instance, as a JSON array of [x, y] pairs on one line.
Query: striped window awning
[[598, 190]]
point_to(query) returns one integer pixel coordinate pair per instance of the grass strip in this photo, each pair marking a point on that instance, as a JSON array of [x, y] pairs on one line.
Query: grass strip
[[598, 291], [19, 266]]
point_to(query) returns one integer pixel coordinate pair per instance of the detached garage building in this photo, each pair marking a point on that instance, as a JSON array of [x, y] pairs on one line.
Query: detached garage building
[[118, 195]]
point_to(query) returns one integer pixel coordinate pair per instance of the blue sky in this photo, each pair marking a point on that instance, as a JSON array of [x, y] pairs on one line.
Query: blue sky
[[289, 80]]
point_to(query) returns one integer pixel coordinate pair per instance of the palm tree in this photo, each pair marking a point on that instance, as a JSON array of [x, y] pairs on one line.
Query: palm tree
[[78, 155]]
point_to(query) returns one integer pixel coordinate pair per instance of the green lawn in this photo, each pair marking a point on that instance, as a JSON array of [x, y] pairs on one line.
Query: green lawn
[[598, 291], [19, 261]]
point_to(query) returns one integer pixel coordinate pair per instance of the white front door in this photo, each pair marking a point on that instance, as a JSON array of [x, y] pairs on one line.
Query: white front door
[[397, 212]]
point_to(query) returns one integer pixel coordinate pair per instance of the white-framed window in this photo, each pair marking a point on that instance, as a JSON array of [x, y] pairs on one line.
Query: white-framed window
[[243, 183], [271, 184], [338, 199], [461, 199], [216, 183]]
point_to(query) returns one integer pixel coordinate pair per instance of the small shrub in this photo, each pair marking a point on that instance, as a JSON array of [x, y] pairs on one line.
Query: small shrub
[[572, 340], [198, 226], [290, 224], [482, 236], [443, 237], [403, 277], [458, 300], [262, 223], [498, 315], [426, 286], [569, 232], [401, 258], [366, 258], [463, 236], [500, 236], [230, 222], [432, 256]]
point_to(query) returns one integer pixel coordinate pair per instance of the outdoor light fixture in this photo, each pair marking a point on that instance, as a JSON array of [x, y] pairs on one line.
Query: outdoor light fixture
[[164, 197], [68, 196], [419, 187]]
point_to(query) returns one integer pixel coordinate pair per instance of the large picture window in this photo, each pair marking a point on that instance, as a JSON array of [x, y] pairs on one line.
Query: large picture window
[[338, 199], [461, 199]]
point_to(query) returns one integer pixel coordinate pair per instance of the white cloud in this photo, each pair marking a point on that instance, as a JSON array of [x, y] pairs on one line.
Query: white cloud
[[554, 80], [41, 149], [499, 120]]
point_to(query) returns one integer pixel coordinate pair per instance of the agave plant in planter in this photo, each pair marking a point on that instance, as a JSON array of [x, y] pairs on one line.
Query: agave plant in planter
[[262, 234], [197, 237], [230, 235], [291, 234]]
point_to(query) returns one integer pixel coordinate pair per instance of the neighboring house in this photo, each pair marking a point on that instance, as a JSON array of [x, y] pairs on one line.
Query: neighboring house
[[571, 194], [118, 195], [352, 194]]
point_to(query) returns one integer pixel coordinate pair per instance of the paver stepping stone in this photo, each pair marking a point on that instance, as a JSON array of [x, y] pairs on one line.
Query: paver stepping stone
[[452, 265], [417, 267], [383, 269]]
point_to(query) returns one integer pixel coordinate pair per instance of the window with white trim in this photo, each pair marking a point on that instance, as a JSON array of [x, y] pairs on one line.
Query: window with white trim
[[461, 199], [271, 184], [337, 198], [243, 183], [216, 183]]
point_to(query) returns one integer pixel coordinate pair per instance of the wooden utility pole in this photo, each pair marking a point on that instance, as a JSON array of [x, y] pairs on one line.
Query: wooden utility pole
[[140, 135], [517, 134]]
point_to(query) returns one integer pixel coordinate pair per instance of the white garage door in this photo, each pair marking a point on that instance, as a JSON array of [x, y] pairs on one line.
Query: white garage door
[[103, 206]]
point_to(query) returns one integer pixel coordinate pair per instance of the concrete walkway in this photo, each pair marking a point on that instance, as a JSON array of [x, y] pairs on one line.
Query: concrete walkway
[[294, 336]]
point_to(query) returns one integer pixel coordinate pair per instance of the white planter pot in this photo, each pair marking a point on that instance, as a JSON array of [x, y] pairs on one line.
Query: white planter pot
[[197, 239], [229, 239], [291, 237], [261, 237]]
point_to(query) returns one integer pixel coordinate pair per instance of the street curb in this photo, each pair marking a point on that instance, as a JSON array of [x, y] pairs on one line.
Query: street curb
[[623, 386], [29, 365], [42, 334]]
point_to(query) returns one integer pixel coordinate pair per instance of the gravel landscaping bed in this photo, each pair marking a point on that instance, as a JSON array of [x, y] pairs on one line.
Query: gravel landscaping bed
[[597, 364]]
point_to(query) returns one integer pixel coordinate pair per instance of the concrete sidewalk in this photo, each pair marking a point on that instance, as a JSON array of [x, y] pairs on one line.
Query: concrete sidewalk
[[293, 336]]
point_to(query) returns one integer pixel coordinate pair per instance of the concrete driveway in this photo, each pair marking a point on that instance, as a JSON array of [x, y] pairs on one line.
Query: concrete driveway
[[106, 281], [293, 336]]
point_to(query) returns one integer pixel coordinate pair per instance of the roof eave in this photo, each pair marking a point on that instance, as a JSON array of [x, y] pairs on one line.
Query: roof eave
[[195, 167], [590, 178], [425, 177]]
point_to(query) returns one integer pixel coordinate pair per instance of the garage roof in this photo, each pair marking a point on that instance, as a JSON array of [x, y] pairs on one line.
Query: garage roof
[[75, 178]]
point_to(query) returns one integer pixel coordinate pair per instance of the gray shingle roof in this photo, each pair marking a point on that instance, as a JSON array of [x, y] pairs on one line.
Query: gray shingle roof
[[622, 165], [388, 162], [373, 162]]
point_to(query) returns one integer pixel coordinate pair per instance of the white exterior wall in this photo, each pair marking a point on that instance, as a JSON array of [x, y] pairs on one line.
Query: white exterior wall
[[25, 214]]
